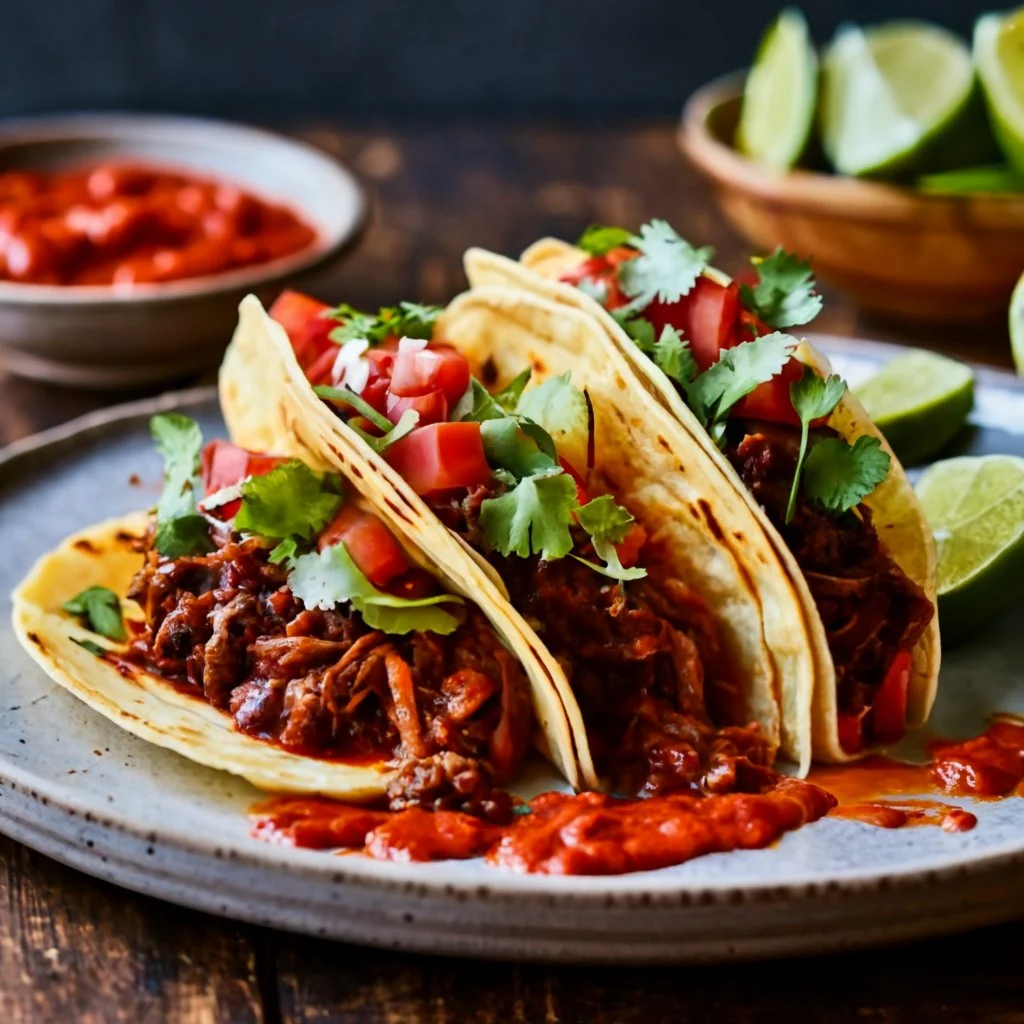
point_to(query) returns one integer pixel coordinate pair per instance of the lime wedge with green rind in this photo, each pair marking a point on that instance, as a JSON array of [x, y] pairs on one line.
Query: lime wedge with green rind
[[975, 508], [999, 57], [1017, 326], [897, 98], [994, 178], [780, 95], [920, 401]]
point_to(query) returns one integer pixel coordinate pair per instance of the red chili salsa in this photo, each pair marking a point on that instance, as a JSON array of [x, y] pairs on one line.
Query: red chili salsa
[[125, 224]]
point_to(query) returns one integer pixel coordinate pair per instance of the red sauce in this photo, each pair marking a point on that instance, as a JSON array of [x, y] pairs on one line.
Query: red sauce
[[986, 767], [581, 834], [124, 224]]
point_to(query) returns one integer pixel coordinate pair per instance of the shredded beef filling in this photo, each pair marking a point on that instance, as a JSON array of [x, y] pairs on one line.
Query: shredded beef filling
[[453, 710], [870, 608], [635, 658]]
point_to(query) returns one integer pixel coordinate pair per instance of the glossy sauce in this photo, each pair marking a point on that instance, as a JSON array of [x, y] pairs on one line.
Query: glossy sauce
[[124, 224], [558, 833]]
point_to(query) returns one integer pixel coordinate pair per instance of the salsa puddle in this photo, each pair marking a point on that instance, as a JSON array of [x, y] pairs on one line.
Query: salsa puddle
[[597, 834]]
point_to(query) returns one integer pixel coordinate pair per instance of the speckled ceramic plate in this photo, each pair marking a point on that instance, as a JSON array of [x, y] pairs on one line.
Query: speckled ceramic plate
[[79, 789]]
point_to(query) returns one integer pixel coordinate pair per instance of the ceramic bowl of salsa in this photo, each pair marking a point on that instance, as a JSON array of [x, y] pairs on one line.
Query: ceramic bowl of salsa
[[127, 241]]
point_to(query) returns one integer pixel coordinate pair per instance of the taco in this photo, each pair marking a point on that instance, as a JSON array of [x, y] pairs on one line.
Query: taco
[[278, 629], [515, 445], [765, 414]]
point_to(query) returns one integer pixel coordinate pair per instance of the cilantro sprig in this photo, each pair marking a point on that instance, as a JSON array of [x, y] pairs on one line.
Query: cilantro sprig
[[100, 610], [738, 371], [600, 239], [325, 579], [666, 268], [839, 476], [813, 397], [290, 505], [392, 432], [671, 352], [180, 529], [406, 320], [784, 295], [608, 524]]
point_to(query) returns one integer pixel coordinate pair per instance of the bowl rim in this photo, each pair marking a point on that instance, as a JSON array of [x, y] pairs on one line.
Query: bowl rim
[[869, 201], [113, 124]]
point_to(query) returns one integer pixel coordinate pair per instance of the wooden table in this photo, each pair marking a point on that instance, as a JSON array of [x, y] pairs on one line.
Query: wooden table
[[77, 951]]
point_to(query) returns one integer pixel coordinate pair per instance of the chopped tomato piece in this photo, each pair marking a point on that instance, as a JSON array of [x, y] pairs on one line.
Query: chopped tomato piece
[[771, 400], [441, 457], [890, 704], [707, 318], [603, 270], [629, 549], [370, 543], [433, 408], [307, 328], [751, 326], [320, 370], [851, 730], [224, 464], [435, 368]]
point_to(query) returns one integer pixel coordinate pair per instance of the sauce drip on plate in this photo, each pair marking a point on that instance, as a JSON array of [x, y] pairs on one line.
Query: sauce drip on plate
[[122, 224]]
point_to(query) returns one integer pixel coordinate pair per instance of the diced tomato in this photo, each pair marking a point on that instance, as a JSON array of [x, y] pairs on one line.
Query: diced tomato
[[751, 326], [308, 330], [441, 457], [890, 704], [851, 731], [370, 543], [771, 400], [224, 464], [382, 362], [707, 318], [433, 408], [629, 549], [582, 495], [437, 367], [319, 371], [603, 270]]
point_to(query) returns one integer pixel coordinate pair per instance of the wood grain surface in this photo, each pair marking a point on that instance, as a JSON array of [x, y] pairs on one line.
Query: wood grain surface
[[77, 951]]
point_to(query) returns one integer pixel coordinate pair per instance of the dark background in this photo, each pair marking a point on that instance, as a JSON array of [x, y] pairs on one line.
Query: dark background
[[396, 60]]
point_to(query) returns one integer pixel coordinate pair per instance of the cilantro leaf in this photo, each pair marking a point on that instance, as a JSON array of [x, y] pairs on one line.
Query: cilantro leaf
[[477, 405], [346, 396], [738, 371], [599, 239], [291, 501], [639, 329], [508, 447], [666, 269], [603, 519], [284, 551], [532, 518], [613, 567], [838, 476], [180, 529], [91, 647], [812, 397], [673, 357], [406, 320], [784, 294], [560, 408], [596, 289], [325, 579], [101, 610], [508, 397]]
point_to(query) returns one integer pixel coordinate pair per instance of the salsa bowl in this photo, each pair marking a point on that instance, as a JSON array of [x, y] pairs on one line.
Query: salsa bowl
[[103, 336], [898, 252]]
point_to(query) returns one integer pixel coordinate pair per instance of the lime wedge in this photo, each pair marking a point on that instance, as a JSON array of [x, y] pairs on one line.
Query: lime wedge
[[975, 507], [780, 95], [972, 181], [999, 57], [890, 94], [1017, 326], [920, 401]]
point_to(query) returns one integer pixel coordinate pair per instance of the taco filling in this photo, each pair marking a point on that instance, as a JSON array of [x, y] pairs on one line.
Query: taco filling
[[720, 346], [300, 615], [509, 473]]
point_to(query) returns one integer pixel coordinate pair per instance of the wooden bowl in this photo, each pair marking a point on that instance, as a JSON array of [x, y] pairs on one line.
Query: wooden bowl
[[92, 336], [898, 252]]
